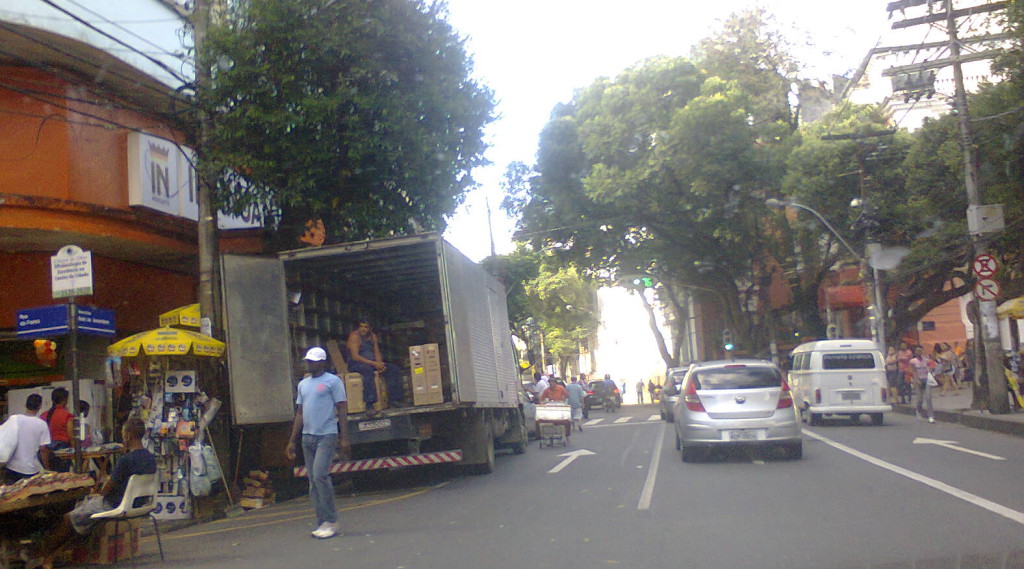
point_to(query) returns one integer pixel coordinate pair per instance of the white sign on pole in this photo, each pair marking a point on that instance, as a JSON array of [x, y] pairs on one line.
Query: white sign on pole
[[71, 272]]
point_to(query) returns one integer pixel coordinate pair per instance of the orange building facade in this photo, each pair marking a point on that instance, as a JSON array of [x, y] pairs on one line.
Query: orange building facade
[[71, 173]]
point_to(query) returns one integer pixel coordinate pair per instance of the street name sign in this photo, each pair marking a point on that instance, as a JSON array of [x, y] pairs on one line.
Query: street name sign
[[45, 321], [71, 272], [985, 265]]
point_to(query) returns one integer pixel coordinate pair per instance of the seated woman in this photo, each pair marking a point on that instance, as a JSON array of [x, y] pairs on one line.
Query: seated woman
[[79, 521]]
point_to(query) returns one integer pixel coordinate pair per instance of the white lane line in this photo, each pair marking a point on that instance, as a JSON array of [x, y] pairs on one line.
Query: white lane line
[[652, 473], [655, 417], [623, 420], [940, 486], [592, 422]]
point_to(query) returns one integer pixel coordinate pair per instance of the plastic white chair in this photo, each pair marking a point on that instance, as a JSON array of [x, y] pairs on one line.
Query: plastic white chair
[[138, 501]]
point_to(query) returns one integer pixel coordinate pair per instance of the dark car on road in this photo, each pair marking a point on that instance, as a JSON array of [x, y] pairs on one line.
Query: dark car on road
[[670, 392], [595, 392]]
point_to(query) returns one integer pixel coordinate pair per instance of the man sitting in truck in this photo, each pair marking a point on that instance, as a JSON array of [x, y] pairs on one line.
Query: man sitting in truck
[[365, 359]]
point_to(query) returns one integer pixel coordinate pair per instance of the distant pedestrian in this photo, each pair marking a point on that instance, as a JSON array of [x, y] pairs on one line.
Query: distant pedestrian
[[892, 374], [652, 389], [924, 382], [640, 391], [576, 395], [320, 421], [903, 357]]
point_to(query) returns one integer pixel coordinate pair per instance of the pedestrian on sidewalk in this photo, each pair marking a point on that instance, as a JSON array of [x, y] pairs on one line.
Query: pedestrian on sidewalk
[[320, 419], [640, 392], [922, 366], [892, 374], [903, 357]]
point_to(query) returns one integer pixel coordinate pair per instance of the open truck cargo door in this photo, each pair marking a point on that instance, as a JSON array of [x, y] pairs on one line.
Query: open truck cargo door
[[256, 321]]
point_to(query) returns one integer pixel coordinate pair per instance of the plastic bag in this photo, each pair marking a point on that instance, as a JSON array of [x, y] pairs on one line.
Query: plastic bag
[[8, 438], [931, 381]]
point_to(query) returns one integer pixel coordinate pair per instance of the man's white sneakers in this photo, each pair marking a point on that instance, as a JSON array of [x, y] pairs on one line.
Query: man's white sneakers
[[326, 530]]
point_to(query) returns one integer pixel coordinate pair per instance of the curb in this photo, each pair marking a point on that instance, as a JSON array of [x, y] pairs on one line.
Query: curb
[[987, 422]]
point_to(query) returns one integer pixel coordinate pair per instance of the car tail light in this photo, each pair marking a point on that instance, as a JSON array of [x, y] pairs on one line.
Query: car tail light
[[591, 392], [885, 395], [785, 398], [817, 395], [692, 400], [615, 390]]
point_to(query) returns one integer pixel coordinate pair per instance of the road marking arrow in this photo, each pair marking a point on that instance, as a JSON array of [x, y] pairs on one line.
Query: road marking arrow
[[952, 445], [571, 456]]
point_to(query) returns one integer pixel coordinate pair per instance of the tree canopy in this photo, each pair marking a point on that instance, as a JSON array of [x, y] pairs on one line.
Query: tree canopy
[[362, 114]]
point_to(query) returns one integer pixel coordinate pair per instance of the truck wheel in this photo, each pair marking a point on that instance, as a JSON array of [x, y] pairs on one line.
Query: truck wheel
[[519, 447]]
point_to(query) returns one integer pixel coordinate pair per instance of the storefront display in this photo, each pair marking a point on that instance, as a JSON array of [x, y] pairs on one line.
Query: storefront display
[[162, 370]]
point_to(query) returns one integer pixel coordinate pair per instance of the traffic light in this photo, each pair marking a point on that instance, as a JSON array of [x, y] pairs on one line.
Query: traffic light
[[727, 342], [645, 282]]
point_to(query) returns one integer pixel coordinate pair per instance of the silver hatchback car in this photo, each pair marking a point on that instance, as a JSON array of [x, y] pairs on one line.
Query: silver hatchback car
[[735, 403]]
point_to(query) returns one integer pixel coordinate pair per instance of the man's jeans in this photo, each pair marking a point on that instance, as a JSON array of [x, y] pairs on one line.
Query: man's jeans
[[923, 397], [392, 379], [317, 452]]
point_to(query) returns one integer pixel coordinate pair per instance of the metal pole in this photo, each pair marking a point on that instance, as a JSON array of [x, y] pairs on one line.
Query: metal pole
[[76, 443], [998, 393]]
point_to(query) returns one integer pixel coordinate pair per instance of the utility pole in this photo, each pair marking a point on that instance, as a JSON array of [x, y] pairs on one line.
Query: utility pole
[[209, 307], [914, 80], [998, 402]]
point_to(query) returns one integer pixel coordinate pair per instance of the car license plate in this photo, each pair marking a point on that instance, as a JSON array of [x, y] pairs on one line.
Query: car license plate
[[374, 425], [850, 395], [742, 435]]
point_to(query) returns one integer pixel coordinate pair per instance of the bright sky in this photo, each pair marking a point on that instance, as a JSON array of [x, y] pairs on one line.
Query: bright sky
[[535, 53]]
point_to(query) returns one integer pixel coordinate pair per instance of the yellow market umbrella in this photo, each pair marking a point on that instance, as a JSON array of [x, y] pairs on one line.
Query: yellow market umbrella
[[167, 342], [182, 316], [1013, 308]]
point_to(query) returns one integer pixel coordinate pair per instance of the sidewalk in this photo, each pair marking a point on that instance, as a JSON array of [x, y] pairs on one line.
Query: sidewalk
[[956, 408]]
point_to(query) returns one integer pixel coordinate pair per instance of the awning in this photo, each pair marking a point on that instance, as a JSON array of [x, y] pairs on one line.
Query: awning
[[167, 342], [181, 316], [1013, 308]]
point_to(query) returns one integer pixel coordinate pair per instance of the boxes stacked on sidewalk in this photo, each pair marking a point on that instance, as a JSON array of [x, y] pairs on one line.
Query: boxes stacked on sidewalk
[[425, 364], [257, 493], [108, 543]]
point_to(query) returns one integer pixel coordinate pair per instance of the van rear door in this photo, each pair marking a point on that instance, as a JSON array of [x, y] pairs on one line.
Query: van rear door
[[851, 378]]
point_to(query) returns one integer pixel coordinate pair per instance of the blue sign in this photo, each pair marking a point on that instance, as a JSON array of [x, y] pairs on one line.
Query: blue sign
[[47, 321], [96, 321]]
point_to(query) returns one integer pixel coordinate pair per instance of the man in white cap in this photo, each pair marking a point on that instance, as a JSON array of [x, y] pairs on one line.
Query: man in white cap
[[320, 417]]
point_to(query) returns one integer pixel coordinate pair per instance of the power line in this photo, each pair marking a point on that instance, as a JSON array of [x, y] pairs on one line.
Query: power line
[[53, 69], [82, 21], [126, 30]]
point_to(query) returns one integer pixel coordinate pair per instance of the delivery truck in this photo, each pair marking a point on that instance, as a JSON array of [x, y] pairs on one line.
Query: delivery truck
[[437, 314]]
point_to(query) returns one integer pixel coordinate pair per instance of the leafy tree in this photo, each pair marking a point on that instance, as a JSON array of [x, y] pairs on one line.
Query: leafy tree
[[565, 305], [362, 114], [661, 172]]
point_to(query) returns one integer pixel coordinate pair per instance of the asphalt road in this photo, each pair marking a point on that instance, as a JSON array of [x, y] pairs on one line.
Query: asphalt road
[[862, 496]]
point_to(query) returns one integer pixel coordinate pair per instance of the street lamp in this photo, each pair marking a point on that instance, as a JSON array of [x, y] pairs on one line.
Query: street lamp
[[876, 285]]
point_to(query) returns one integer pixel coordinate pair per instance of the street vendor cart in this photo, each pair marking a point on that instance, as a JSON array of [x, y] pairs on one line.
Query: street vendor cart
[[554, 423]]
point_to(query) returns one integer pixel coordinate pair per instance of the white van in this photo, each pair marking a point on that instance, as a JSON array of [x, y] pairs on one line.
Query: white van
[[839, 377]]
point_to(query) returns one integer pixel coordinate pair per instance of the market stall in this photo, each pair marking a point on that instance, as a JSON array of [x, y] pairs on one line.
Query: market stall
[[162, 373]]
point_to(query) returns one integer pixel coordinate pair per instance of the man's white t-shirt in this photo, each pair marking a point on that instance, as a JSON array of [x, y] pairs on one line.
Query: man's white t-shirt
[[33, 433]]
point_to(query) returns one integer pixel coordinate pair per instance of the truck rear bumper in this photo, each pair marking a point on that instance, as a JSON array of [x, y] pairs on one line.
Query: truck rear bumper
[[389, 462]]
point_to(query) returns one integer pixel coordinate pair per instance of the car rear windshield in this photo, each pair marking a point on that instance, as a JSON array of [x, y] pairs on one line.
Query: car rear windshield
[[740, 377], [848, 361]]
